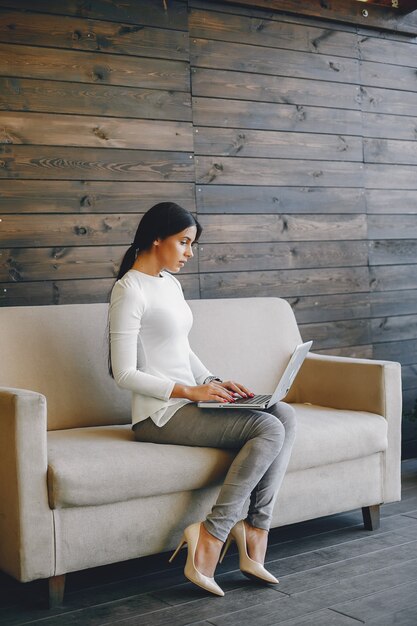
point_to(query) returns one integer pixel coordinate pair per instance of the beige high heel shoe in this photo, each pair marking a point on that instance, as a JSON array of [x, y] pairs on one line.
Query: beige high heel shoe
[[190, 537], [249, 567]]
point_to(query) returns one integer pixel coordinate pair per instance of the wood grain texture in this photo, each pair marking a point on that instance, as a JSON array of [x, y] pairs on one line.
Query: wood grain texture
[[149, 13], [391, 201], [104, 132], [55, 96], [258, 256], [240, 171], [285, 283], [391, 101], [385, 127], [50, 162], [340, 10], [272, 116], [271, 144], [217, 83], [290, 136], [110, 69], [84, 196], [92, 35], [67, 262], [271, 33], [392, 251], [239, 56], [278, 228], [232, 199]]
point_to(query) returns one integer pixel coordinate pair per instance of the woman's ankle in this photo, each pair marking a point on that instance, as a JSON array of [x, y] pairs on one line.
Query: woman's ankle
[[207, 552]]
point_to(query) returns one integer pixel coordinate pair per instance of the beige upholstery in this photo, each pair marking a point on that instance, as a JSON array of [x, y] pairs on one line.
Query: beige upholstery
[[81, 492], [79, 472]]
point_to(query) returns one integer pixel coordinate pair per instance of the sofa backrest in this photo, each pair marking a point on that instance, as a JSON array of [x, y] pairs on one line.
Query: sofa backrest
[[61, 352]]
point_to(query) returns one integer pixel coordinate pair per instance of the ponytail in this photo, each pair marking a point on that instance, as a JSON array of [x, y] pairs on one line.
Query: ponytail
[[128, 260]]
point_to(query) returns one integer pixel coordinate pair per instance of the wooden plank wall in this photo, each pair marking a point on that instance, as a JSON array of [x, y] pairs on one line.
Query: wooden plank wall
[[304, 135], [96, 126], [293, 139]]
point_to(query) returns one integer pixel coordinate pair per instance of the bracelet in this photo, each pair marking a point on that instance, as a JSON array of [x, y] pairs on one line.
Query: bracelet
[[209, 379]]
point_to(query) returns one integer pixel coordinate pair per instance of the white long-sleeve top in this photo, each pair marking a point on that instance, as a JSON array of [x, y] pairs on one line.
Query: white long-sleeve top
[[150, 352]]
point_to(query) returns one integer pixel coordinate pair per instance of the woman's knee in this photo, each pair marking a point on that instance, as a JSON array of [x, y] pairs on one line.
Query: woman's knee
[[286, 415], [270, 427]]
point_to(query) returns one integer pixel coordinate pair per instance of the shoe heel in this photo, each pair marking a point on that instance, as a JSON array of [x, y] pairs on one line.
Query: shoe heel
[[181, 543], [225, 548]]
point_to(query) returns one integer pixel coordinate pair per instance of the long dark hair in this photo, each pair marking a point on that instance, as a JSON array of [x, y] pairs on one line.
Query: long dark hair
[[159, 222]]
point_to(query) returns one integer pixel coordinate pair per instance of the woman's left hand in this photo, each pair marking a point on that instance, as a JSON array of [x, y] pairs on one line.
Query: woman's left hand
[[237, 388]]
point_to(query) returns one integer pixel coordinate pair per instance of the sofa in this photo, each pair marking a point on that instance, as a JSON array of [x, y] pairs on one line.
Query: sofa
[[77, 491]]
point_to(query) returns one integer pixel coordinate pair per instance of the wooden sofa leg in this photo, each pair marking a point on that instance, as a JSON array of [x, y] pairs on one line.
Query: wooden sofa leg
[[56, 590], [370, 516]]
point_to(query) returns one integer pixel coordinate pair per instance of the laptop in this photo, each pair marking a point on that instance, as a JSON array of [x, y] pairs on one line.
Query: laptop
[[265, 401]]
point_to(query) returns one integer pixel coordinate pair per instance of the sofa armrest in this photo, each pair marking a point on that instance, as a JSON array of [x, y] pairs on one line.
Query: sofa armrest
[[357, 385], [26, 522]]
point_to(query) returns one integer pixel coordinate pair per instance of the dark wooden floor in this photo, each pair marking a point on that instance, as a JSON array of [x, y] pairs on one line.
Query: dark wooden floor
[[331, 571]]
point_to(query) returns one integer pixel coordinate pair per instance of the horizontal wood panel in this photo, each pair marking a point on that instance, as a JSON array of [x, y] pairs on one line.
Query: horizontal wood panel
[[250, 171], [378, 100], [272, 228], [284, 283], [81, 196], [393, 252], [86, 131], [389, 126], [261, 31], [266, 88], [63, 263], [390, 151], [383, 50], [260, 256], [355, 352], [70, 291], [50, 162], [24, 94], [387, 303], [379, 176], [92, 35], [379, 17], [409, 377], [409, 399], [393, 277], [252, 199], [242, 57], [394, 328], [403, 352], [392, 227], [150, 13], [325, 308], [335, 334], [111, 69], [391, 201], [266, 116], [390, 76], [271, 144], [68, 230]]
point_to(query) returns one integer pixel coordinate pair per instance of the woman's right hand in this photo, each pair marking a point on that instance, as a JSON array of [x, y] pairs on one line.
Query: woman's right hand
[[212, 391]]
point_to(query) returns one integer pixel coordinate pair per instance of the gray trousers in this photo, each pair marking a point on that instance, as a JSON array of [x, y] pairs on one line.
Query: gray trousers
[[264, 441]]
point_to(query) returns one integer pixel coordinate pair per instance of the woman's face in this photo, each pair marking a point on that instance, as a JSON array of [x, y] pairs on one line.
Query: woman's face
[[174, 251]]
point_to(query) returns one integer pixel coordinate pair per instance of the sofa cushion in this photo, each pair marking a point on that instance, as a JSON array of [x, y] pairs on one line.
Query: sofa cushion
[[104, 464]]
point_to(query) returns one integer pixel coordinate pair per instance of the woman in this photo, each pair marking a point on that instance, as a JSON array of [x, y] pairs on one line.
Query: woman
[[150, 355]]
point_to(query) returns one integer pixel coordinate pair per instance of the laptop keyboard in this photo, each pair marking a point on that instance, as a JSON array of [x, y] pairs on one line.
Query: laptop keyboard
[[256, 399]]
